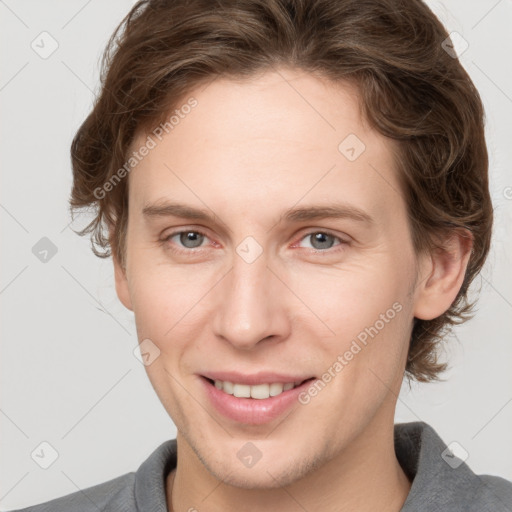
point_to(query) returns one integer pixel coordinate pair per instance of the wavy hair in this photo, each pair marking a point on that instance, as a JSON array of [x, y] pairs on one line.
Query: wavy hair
[[411, 90]]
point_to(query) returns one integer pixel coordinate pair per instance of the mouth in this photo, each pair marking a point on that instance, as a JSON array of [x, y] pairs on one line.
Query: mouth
[[257, 391], [253, 404]]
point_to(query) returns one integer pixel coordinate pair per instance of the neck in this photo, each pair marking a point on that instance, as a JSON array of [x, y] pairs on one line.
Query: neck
[[365, 476]]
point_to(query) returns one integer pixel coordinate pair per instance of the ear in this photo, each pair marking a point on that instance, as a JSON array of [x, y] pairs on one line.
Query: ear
[[441, 274], [122, 288]]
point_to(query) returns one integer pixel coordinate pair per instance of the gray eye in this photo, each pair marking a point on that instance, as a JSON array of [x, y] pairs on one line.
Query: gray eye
[[191, 239], [321, 240]]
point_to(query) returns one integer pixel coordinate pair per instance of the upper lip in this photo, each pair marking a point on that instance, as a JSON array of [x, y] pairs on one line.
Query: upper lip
[[255, 378]]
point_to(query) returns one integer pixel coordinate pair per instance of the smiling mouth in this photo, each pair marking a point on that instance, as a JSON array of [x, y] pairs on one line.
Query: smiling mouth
[[257, 391]]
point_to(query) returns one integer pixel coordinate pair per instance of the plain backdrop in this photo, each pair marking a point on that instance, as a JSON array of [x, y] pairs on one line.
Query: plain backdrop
[[69, 376]]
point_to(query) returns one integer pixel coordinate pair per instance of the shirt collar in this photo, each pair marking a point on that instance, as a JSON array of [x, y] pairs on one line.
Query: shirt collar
[[420, 451], [150, 478], [441, 481]]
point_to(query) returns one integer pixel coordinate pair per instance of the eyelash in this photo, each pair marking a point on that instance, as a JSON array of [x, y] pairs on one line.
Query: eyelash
[[166, 240]]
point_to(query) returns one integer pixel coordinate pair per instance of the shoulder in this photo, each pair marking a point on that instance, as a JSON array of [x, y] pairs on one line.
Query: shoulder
[[115, 494], [497, 490], [441, 480], [131, 492]]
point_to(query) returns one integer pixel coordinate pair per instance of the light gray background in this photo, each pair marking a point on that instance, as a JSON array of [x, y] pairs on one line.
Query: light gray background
[[69, 376]]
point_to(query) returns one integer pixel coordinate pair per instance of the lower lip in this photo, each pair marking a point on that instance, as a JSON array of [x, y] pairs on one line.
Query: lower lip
[[252, 411]]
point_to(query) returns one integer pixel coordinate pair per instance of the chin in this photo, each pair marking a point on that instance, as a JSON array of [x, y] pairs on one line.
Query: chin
[[262, 478], [270, 472]]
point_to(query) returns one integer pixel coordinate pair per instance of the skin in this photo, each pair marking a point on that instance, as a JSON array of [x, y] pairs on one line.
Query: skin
[[248, 152]]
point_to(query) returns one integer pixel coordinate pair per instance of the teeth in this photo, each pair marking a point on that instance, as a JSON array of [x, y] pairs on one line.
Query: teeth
[[276, 389], [242, 390], [228, 387], [259, 391]]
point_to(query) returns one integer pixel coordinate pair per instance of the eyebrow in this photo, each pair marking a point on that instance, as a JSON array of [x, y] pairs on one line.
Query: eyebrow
[[328, 211]]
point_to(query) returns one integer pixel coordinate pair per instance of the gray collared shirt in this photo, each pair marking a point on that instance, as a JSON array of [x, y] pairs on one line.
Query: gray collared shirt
[[440, 482]]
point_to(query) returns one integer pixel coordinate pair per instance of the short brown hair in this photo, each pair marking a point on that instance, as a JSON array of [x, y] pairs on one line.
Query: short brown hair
[[411, 89]]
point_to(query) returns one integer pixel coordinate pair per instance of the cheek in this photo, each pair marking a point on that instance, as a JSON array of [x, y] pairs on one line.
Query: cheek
[[348, 299], [168, 302], [154, 298], [368, 313]]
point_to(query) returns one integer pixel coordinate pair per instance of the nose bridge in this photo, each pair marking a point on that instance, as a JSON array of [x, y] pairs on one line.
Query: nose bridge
[[249, 308]]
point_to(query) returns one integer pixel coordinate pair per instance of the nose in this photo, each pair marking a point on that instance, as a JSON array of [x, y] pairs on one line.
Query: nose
[[252, 305]]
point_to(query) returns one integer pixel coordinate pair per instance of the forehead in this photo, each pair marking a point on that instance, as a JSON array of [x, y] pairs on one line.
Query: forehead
[[269, 139]]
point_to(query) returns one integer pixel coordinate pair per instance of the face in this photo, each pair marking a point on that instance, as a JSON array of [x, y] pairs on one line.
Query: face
[[300, 263]]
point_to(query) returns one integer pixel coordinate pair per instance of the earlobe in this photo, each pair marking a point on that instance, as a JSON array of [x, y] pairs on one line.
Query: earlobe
[[442, 275], [122, 289]]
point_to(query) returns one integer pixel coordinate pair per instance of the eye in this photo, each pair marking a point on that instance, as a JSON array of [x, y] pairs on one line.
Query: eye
[[189, 239], [322, 240], [319, 241]]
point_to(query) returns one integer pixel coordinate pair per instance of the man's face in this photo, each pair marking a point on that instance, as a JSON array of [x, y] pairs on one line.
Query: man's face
[[257, 289]]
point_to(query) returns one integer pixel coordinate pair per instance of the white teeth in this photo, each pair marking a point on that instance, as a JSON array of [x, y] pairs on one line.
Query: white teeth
[[242, 390], [228, 387], [276, 389], [259, 391]]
